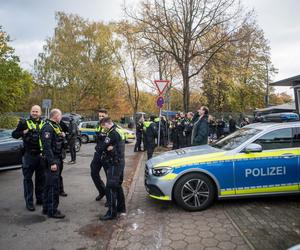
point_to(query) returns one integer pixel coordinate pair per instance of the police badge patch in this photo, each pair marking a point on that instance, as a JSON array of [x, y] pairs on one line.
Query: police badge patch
[[47, 135]]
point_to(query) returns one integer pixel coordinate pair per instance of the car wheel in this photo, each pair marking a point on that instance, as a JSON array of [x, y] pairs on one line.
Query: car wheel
[[84, 139], [77, 145], [194, 192]]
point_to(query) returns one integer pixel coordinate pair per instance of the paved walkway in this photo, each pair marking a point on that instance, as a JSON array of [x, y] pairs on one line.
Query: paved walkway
[[153, 224]]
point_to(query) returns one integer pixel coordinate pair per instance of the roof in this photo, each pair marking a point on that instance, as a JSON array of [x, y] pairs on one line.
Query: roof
[[286, 106], [267, 125], [292, 81]]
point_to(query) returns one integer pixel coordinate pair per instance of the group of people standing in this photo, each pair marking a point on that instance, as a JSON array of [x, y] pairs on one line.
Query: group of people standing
[[185, 130], [43, 156]]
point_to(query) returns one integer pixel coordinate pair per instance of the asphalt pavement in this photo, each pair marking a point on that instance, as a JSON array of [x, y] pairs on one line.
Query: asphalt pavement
[[81, 229], [261, 223]]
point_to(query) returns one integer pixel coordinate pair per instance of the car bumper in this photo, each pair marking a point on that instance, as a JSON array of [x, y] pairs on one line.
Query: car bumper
[[158, 187]]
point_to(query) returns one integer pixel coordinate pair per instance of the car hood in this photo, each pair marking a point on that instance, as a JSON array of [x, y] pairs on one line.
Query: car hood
[[185, 156]]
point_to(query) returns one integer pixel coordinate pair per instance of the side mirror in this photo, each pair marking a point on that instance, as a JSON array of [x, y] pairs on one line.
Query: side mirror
[[252, 148]]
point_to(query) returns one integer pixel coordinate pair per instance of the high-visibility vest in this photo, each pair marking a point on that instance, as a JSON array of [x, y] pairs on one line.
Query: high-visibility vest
[[146, 125], [32, 126], [121, 133], [57, 129]]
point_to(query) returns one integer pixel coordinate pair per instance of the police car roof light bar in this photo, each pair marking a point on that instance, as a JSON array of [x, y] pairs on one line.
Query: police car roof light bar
[[280, 117]]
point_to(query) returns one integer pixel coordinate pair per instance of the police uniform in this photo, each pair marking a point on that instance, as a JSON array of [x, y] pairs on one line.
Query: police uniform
[[150, 135], [31, 162], [139, 136], [52, 147], [114, 163], [97, 162], [180, 131], [187, 132], [175, 138]]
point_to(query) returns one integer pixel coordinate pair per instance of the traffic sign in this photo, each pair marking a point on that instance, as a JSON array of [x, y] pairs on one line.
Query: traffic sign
[[161, 85], [160, 102], [46, 104]]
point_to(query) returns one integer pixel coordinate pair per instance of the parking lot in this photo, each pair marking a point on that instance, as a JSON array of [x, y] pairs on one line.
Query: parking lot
[[262, 223], [81, 229]]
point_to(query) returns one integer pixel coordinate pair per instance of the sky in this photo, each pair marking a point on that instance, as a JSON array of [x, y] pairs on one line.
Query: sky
[[30, 22]]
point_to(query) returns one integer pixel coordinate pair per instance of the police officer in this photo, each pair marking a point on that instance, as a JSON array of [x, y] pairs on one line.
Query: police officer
[[97, 163], [151, 134], [139, 135], [113, 158], [72, 135], [65, 129], [180, 130], [52, 139], [174, 132], [188, 128], [29, 130]]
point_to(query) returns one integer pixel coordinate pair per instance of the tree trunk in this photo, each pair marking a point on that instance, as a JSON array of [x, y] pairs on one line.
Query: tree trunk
[[186, 88]]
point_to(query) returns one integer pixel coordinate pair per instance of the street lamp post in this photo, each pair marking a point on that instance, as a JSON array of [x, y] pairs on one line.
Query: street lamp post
[[267, 84]]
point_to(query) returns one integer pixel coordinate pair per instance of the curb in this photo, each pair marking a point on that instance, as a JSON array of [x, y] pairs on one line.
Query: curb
[[115, 234]]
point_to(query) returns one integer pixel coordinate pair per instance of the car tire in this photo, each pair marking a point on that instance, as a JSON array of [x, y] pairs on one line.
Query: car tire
[[194, 192], [84, 139]]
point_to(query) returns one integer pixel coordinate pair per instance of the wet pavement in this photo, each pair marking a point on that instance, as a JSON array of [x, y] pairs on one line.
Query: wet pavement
[[81, 229], [262, 223]]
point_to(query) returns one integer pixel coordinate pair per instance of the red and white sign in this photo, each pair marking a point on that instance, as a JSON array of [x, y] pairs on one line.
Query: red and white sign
[[161, 85]]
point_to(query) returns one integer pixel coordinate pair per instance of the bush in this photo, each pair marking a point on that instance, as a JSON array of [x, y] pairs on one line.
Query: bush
[[8, 121]]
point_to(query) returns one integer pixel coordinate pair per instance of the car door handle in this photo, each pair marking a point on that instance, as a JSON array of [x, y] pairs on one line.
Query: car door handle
[[287, 156]]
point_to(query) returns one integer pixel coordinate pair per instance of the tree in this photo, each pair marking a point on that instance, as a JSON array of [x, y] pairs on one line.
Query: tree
[[77, 65], [234, 80], [188, 30], [15, 83], [281, 98], [129, 58]]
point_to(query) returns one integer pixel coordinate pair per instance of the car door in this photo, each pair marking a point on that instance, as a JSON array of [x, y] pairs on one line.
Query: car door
[[296, 145], [10, 152], [274, 169]]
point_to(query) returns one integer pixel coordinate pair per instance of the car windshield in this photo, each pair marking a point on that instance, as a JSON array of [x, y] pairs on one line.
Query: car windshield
[[235, 139], [5, 133]]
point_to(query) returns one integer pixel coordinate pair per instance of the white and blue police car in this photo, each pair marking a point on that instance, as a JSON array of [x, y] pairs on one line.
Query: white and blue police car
[[258, 159]]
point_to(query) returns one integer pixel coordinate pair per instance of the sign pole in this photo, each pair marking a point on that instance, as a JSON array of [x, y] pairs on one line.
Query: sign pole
[[162, 86], [158, 139]]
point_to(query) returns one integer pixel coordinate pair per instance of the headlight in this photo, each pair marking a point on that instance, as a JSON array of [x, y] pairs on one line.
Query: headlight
[[161, 171]]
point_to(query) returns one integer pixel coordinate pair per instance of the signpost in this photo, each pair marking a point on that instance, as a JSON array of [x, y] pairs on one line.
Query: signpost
[[46, 104], [161, 86]]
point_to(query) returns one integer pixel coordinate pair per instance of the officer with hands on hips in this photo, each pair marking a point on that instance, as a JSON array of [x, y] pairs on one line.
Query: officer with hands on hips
[[113, 158], [52, 139], [29, 130]]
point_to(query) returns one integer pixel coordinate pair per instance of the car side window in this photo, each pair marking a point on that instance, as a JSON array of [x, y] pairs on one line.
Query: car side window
[[296, 138], [277, 139], [83, 125], [91, 125]]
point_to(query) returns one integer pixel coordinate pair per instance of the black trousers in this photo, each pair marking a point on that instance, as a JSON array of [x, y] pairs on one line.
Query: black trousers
[[96, 166], [72, 148], [137, 146], [61, 181], [51, 190], [32, 164], [150, 150], [114, 190]]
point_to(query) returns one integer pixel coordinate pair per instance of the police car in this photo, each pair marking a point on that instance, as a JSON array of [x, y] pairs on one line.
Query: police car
[[88, 131], [258, 159]]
